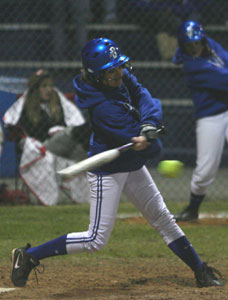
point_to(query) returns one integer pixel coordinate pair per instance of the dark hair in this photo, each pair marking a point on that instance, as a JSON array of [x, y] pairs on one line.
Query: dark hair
[[33, 99], [36, 78], [206, 48]]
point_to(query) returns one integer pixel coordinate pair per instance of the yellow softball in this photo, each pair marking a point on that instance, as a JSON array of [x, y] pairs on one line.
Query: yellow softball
[[170, 168]]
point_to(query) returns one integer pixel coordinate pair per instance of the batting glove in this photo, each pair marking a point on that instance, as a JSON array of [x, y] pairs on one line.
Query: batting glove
[[149, 131]]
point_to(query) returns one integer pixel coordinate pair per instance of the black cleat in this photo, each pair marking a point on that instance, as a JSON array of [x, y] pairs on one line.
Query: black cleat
[[22, 265], [205, 277], [188, 214]]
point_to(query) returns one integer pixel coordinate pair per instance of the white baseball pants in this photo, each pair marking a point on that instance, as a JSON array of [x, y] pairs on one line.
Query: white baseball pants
[[211, 134], [106, 190]]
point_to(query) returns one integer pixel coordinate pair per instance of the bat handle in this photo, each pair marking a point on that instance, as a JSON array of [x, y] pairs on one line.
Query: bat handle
[[161, 130], [126, 147]]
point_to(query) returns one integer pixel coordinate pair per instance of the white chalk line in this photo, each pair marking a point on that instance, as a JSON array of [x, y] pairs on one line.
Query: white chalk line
[[222, 215], [5, 290]]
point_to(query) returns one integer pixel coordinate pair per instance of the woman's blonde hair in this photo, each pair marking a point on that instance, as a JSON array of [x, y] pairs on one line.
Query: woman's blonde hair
[[33, 99]]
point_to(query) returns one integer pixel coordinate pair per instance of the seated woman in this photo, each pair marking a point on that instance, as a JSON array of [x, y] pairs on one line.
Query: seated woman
[[40, 115]]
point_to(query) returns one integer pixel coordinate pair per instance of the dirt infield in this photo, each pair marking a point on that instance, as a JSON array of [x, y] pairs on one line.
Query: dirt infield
[[116, 278], [120, 279]]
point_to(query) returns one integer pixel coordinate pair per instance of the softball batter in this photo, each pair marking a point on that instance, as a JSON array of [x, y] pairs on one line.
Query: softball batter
[[205, 64], [121, 110]]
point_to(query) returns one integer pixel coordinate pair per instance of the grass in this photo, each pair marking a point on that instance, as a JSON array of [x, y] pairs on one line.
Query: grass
[[37, 224]]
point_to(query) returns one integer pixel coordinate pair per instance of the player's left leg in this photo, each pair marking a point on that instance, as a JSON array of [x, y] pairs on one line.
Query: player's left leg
[[144, 194]]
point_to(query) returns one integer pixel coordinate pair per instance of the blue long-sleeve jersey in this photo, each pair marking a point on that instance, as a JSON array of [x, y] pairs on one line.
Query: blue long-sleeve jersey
[[116, 116], [207, 78]]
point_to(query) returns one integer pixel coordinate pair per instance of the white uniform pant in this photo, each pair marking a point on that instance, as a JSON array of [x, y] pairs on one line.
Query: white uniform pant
[[106, 190], [211, 134]]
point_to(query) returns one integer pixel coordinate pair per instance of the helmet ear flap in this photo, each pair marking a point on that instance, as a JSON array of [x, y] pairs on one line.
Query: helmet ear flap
[[128, 66], [91, 76]]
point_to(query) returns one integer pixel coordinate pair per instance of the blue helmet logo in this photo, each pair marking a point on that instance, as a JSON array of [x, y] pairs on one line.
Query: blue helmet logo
[[190, 31], [113, 52], [101, 54]]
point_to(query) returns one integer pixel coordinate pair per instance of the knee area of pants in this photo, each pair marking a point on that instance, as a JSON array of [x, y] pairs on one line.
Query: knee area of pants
[[163, 218], [203, 177], [150, 204], [97, 245]]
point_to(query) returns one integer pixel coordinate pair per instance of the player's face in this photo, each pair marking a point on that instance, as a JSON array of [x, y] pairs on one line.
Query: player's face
[[114, 77], [194, 49], [46, 88]]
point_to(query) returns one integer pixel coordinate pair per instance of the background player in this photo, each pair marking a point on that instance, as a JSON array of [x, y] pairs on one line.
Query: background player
[[205, 65], [121, 110]]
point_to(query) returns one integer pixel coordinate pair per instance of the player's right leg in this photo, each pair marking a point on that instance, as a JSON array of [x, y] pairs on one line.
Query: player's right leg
[[105, 195], [22, 265]]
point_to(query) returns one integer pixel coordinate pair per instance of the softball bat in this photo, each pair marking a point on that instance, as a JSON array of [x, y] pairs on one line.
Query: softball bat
[[93, 162], [97, 160]]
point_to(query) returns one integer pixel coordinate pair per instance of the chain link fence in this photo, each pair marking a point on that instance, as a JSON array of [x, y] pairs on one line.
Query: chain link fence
[[49, 34]]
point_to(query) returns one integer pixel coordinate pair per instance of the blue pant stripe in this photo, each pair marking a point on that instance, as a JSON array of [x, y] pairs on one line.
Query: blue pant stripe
[[97, 217]]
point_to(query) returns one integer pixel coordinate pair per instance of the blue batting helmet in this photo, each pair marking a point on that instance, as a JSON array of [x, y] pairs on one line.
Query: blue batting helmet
[[101, 54], [190, 31]]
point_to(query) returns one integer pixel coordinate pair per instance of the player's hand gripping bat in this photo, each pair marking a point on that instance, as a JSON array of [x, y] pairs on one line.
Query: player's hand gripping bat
[[98, 160]]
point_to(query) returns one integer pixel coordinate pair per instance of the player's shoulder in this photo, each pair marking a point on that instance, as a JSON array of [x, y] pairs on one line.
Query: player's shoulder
[[211, 43], [103, 107]]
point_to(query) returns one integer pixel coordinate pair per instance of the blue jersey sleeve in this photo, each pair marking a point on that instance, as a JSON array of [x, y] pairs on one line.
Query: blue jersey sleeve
[[114, 123], [150, 108], [205, 74], [219, 50], [210, 72]]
